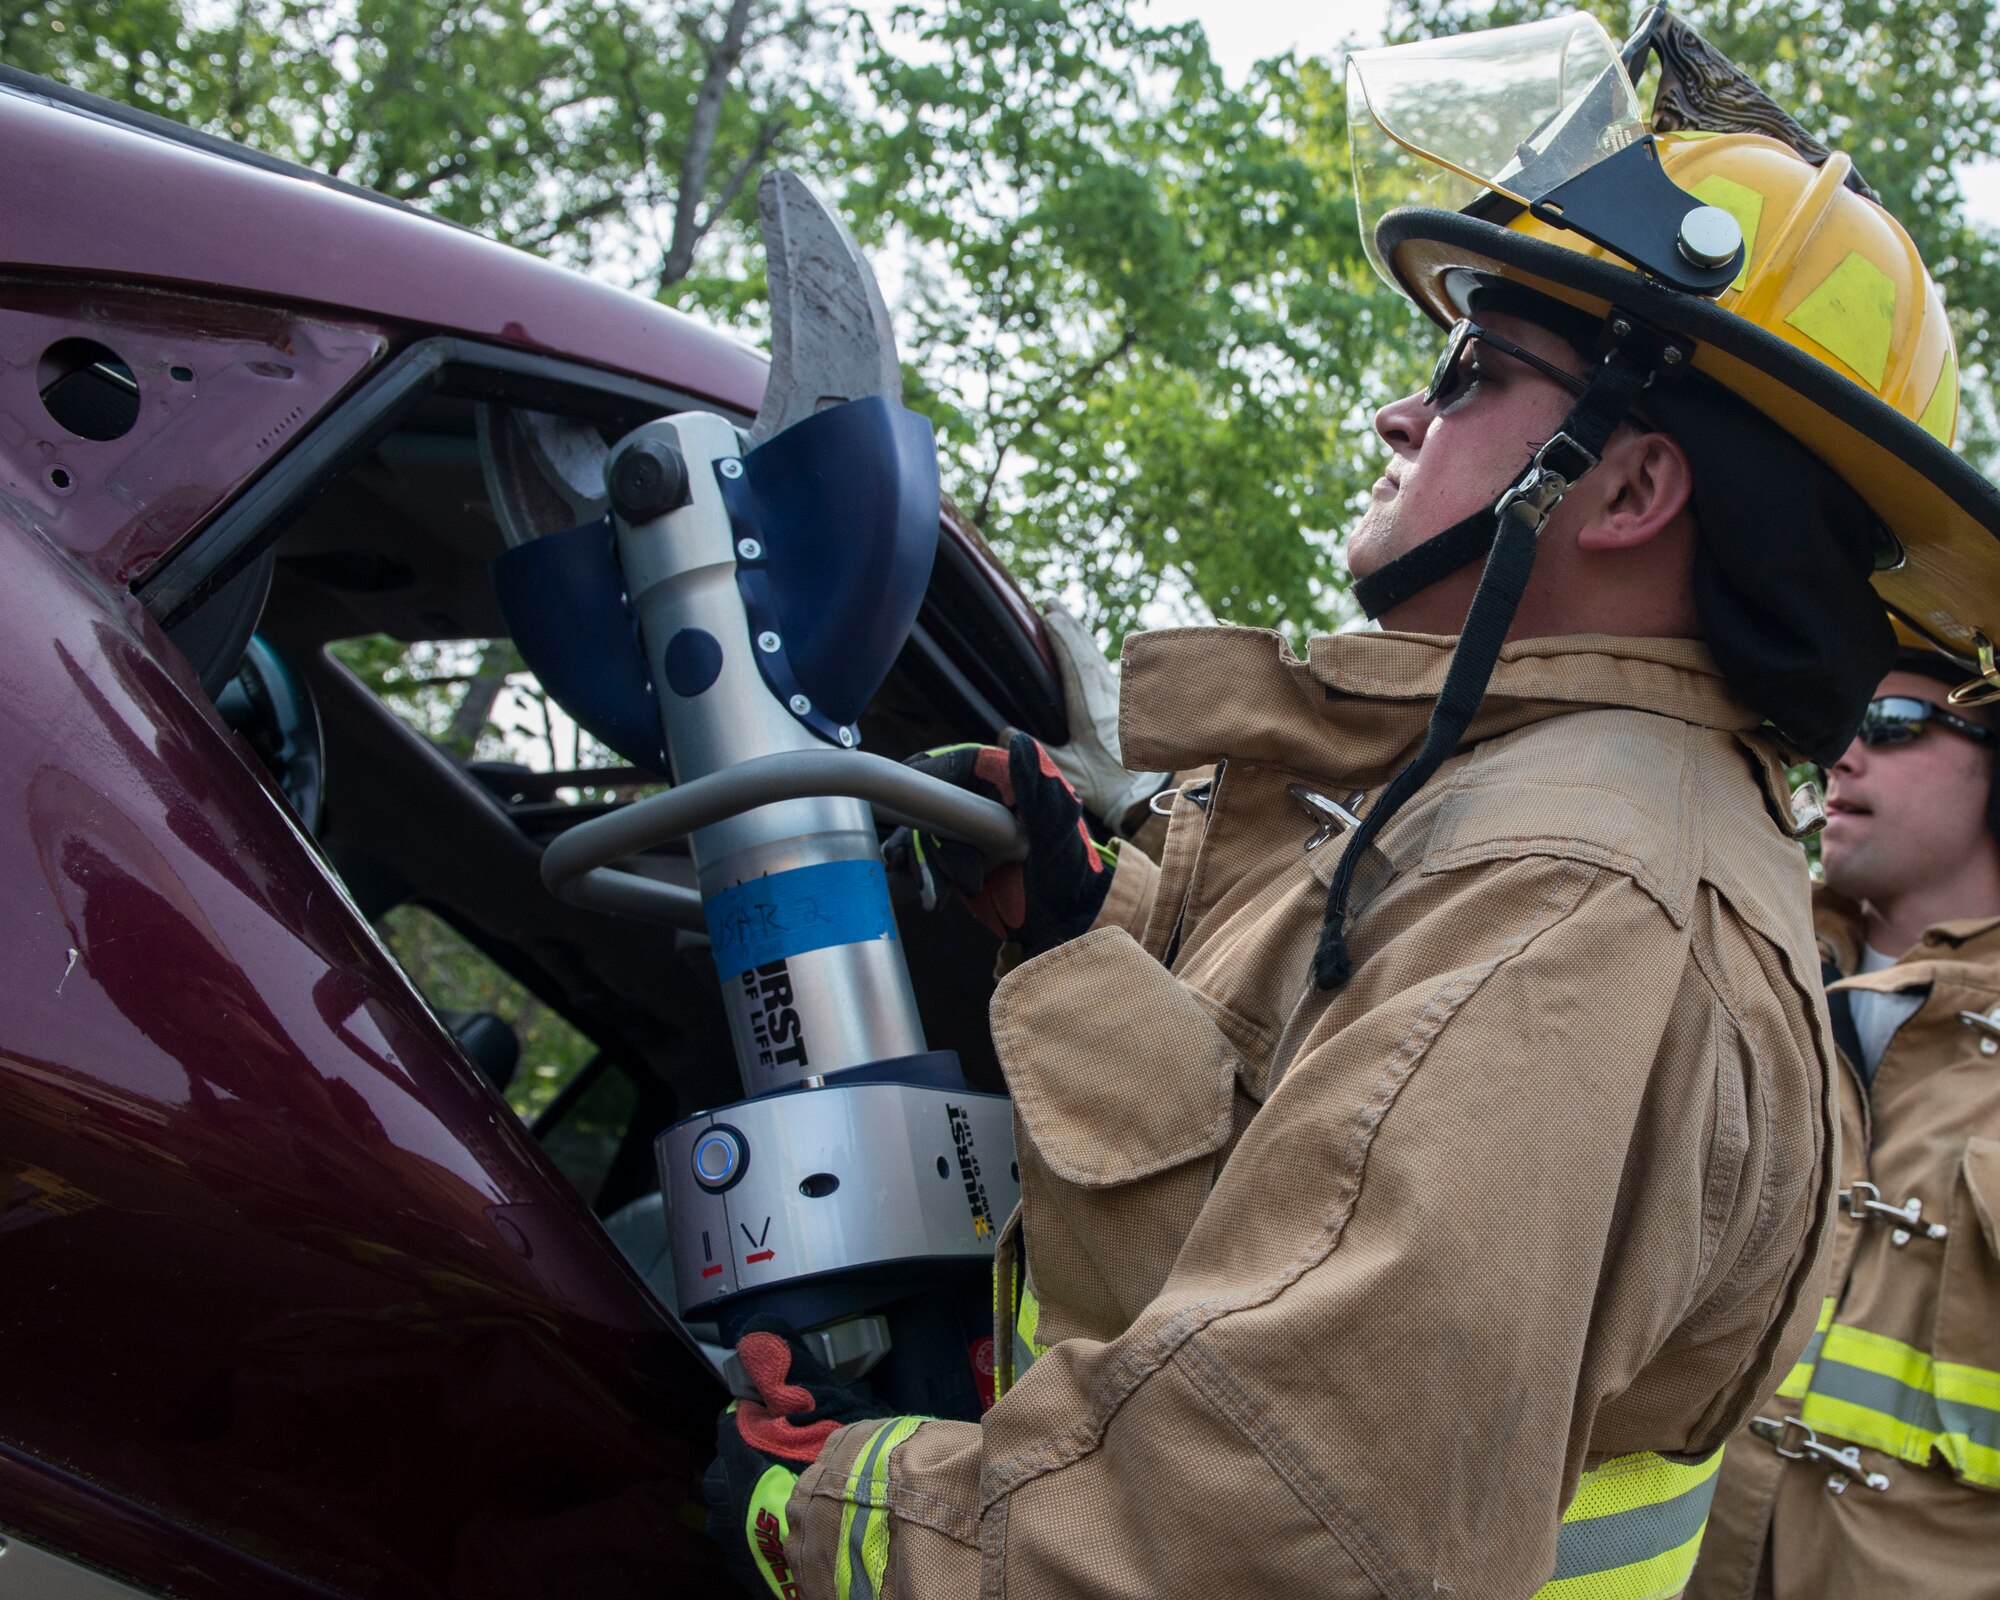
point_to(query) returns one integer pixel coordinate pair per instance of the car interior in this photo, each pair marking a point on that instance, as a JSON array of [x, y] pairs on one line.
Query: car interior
[[390, 537]]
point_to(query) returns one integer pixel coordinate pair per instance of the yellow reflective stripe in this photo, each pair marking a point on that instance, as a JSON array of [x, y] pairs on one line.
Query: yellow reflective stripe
[[1800, 1377], [864, 1519], [1859, 1424], [1015, 1309], [1971, 1386], [843, 1560], [1876, 1391], [1625, 1483], [1661, 1578], [1875, 1352], [1028, 1321], [875, 1540], [1633, 1529], [1974, 1462], [1869, 1389], [1969, 1405], [1004, 1370], [1851, 314]]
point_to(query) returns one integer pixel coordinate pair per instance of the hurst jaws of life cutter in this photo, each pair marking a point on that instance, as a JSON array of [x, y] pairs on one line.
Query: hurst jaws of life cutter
[[727, 621]]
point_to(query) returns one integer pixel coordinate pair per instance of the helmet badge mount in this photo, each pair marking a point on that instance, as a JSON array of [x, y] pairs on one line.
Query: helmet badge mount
[[1627, 204], [1709, 236]]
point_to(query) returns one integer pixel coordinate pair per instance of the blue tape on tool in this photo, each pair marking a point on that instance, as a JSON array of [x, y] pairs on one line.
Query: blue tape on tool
[[789, 913]]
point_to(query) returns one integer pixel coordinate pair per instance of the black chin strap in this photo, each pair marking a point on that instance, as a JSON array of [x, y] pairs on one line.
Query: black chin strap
[[1508, 530], [1437, 558]]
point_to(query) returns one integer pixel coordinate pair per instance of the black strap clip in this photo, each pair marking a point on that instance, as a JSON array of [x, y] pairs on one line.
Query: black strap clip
[[1557, 465]]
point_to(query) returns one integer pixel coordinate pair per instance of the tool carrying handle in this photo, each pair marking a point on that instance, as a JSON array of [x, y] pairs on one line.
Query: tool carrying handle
[[576, 866]]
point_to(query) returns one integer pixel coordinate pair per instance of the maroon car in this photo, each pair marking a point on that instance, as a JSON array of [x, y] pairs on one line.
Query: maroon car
[[291, 1302]]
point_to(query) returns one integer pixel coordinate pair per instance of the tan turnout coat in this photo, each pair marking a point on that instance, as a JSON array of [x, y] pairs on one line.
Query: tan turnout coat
[[1906, 1367], [1342, 1294]]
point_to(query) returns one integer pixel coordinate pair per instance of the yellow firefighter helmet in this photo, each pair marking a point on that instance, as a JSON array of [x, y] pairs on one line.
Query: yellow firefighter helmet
[[1520, 154]]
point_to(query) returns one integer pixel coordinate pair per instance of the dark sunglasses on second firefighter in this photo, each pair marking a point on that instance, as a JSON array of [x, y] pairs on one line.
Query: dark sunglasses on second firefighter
[[1447, 377], [1897, 719]]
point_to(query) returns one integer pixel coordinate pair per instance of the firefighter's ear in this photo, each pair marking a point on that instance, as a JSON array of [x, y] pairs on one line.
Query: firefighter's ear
[[1642, 484]]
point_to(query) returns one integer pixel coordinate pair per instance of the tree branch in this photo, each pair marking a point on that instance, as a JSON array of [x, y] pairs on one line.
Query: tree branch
[[541, 700], [236, 102], [1053, 395], [723, 58], [574, 218], [767, 135], [469, 718]]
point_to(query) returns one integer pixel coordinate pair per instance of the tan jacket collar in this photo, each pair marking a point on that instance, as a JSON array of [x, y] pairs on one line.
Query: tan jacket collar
[[1967, 942], [1356, 707]]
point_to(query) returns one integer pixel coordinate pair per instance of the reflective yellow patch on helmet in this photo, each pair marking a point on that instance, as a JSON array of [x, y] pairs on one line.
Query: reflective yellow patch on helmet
[[1940, 418], [1743, 203], [1852, 315]]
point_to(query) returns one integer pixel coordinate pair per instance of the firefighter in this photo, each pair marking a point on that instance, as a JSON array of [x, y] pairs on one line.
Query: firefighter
[[1875, 1468], [1427, 1165]]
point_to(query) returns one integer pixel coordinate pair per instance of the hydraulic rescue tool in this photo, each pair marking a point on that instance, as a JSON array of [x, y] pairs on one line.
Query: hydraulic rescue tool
[[726, 622]]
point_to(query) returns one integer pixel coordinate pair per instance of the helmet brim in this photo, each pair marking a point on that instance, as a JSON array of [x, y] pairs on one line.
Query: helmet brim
[[1945, 514]]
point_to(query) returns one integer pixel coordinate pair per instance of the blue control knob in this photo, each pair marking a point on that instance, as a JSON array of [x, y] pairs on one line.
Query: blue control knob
[[720, 1158]]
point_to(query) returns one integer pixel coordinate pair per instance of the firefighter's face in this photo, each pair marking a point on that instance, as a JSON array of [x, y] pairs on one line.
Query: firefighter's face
[[1906, 816], [1460, 454]]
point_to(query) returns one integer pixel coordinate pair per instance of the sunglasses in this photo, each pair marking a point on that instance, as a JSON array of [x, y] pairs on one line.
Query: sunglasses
[[1448, 377], [1897, 719]]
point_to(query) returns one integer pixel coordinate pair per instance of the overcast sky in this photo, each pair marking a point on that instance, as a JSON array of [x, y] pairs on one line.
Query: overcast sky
[[1242, 32]]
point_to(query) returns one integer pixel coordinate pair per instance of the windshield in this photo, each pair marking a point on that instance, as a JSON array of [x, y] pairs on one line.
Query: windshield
[[1510, 111]]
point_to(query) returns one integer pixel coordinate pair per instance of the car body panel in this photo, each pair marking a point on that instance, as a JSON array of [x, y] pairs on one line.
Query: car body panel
[[191, 219], [224, 388], [284, 1270]]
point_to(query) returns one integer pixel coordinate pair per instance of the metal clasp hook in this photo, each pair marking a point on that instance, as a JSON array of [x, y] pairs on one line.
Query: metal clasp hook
[[1908, 1216], [1793, 1440], [1330, 816], [1987, 1026], [1984, 689]]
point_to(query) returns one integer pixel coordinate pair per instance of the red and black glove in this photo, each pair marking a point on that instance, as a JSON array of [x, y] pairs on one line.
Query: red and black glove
[[764, 1444], [1052, 896]]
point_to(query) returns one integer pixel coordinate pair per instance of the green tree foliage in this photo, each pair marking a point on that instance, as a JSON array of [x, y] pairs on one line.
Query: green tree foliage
[[1137, 298], [452, 974], [477, 699], [445, 689], [1132, 294], [610, 133], [1140, 297]]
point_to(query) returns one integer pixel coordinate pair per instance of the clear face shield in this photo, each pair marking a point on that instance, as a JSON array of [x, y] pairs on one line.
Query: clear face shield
[[1517, 115]]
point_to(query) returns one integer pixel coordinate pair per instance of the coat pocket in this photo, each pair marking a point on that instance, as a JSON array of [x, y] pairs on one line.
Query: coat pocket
[[1966, 1372], [1123, 1095]]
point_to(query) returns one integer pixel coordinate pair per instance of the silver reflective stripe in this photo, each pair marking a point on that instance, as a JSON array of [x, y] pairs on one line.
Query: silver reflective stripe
[[1875, 1392], [1980, 1424], [861, 1478], [1919, 1408], [1601, 1544], [1024, 1354]]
